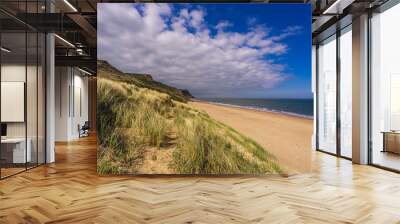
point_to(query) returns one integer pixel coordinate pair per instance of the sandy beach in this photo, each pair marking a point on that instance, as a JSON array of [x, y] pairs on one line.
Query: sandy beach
[[287, 137]]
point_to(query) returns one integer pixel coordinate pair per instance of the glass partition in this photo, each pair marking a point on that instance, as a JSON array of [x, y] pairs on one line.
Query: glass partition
[[22, 78], [13, 94], [385, 89], [327, 95]]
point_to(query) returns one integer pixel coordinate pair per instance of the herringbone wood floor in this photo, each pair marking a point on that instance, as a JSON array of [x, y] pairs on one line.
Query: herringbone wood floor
[[70, 191]]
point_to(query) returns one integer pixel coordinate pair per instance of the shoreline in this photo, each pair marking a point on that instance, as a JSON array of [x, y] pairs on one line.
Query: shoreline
[[287, 137], [256, 109]]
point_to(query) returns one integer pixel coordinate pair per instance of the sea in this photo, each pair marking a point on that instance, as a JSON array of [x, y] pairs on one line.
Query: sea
[[293, 107]]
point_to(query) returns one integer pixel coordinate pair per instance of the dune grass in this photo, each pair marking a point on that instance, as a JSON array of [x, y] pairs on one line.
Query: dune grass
[[207, 146], [204, 151], [131, 119]]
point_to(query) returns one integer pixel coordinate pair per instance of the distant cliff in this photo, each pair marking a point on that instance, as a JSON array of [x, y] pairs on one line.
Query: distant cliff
[[186, 93], [104, 69]]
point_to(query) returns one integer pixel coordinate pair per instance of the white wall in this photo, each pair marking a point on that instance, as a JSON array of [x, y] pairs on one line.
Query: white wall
[[70, 83], [16, 73], [79, 117], [33, 126], [13, 72], [62, 82]]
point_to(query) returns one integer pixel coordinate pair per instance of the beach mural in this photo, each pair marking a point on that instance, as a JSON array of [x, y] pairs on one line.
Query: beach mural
[[203, 88]]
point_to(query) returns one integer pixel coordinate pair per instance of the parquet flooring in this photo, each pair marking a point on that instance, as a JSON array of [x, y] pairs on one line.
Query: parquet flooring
[[70, 191]]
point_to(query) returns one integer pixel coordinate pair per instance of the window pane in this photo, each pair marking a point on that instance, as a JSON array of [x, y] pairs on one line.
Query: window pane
[[327, 95], [385, 95], [346, 93]]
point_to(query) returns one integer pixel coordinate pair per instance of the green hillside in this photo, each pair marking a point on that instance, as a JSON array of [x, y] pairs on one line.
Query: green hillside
[[147, 127], [141, 80]]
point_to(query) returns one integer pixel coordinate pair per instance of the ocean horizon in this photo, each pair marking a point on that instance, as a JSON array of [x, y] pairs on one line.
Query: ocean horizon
[[292, 107]]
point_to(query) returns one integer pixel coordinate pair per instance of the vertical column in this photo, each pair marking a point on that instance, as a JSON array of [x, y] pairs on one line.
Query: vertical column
[[50, 92], [360, 89]]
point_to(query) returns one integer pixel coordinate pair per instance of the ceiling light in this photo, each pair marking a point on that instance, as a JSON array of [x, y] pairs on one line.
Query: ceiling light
[[65, 41], [70, 5], [5, 50], [331, 7], [86, 72], [79, 51], [337, 7]]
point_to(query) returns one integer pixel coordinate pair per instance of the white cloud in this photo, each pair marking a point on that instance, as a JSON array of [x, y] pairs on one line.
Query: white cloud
[[178, 48], [222, 25], [197, 19]]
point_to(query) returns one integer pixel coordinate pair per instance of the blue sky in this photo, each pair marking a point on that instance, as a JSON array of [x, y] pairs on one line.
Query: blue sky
[[213, 50]]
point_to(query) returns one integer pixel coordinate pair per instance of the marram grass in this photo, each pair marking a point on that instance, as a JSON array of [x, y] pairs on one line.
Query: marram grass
[[132, 119]]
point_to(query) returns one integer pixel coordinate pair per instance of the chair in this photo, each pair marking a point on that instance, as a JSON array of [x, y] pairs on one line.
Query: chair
[[84, 130]]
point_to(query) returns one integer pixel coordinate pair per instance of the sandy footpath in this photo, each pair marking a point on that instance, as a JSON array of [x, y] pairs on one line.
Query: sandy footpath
[[287, 137]]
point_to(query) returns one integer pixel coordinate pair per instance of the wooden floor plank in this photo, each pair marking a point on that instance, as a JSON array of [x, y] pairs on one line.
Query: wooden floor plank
[[70, 191]]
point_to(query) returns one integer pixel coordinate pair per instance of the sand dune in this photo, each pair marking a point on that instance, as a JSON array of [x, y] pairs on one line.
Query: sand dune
[[287, 137]]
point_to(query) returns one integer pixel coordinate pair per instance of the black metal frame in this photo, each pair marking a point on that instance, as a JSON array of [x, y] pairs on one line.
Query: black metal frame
[[44, 70]]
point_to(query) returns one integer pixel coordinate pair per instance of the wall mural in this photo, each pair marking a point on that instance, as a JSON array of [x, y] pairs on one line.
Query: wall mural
[[168, 75]]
